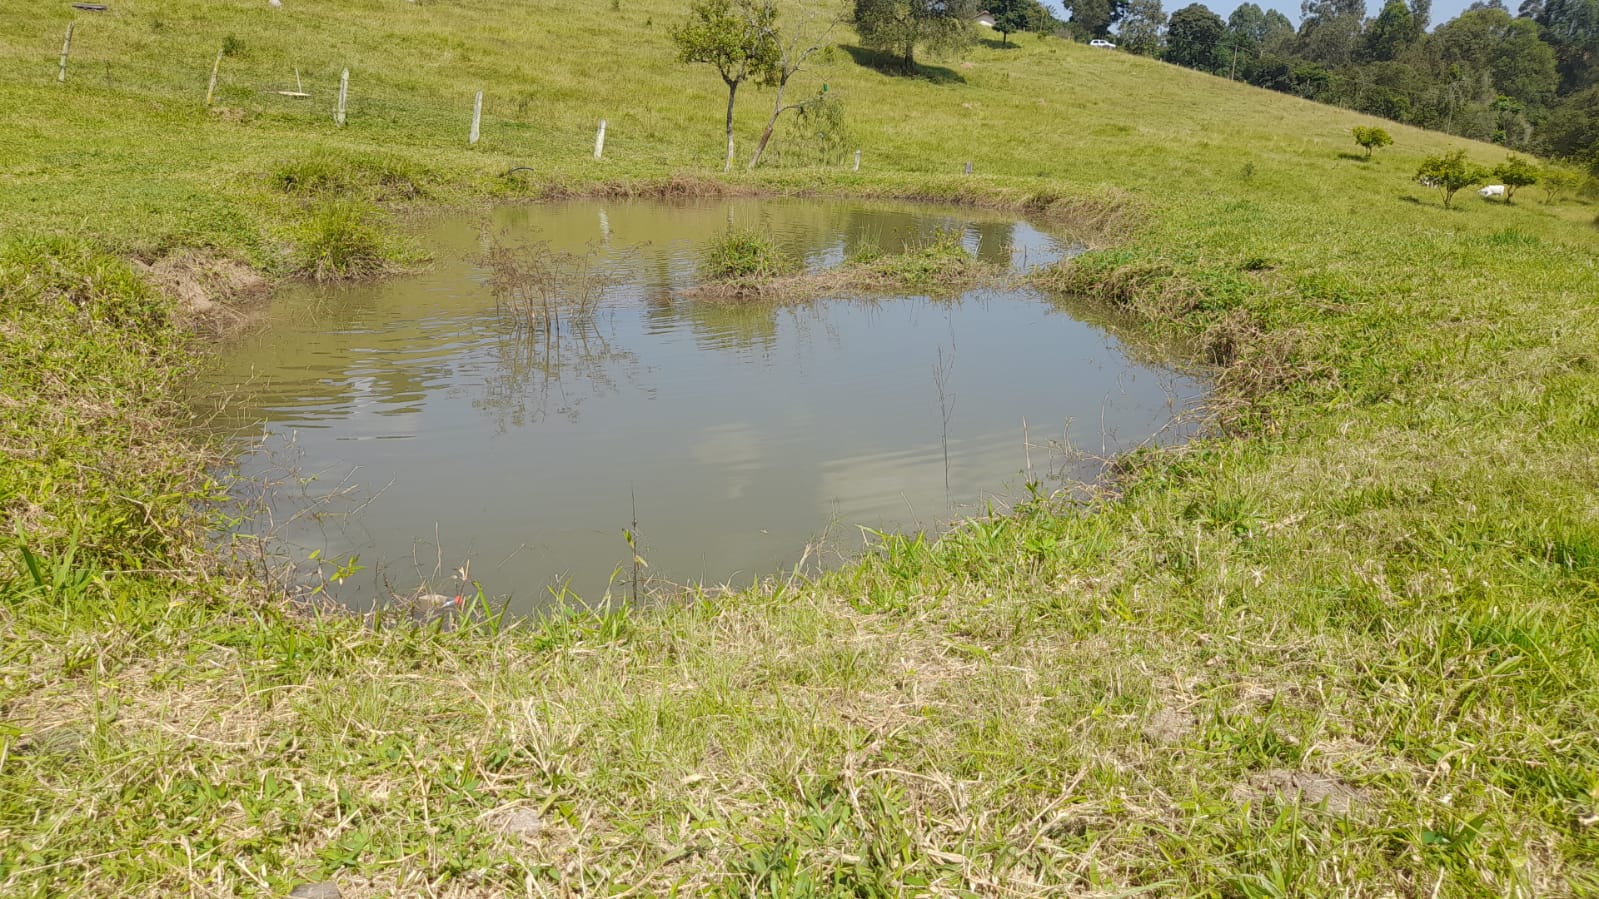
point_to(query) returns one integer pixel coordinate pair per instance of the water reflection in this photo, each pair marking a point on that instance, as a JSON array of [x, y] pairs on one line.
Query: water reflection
[[735, 434]]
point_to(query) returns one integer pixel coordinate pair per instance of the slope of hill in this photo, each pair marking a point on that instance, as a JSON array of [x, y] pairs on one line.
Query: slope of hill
[[1347, 646]]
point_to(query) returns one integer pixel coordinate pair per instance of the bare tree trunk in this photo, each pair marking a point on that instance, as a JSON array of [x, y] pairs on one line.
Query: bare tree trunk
[[771, 125], [732, 92]]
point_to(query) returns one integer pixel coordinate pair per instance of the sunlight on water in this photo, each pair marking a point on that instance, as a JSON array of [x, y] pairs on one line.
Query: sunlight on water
[[403, 423]]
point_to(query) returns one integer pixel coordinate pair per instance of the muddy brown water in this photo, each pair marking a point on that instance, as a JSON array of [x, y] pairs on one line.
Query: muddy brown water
[[403, 424]]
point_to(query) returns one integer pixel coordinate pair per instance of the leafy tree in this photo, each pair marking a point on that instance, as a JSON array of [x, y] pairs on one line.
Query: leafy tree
[[1143, 29], [1194, 37], [1041, 21], [1253, 30], [1329, 32], [738, 38], [1515, 172], [1248, 24], [1450, 173], [1420, 18], [1572, 26], [1372, 138], [900, 26], [1558, 182], [1010, 16], [1519, 64], [1572, 129], [1094, 17], [1391, 33], [805, 40]]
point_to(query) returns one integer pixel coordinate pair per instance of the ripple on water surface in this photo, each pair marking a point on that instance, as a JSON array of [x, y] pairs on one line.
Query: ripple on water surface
[[737, 434]]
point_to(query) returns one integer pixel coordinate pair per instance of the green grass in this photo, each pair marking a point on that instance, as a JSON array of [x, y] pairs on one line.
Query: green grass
[[1376, 583], [744, 255]]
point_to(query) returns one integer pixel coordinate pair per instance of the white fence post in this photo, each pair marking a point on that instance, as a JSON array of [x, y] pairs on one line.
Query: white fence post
[[66, 50], [477, 118], [344, 96], [599, 141], [216, 69]]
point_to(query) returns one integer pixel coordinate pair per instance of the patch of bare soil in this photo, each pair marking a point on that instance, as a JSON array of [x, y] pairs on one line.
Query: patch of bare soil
[[213, 291]]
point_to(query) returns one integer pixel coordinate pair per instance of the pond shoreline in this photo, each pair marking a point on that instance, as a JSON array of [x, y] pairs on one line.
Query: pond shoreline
[[885, 250]]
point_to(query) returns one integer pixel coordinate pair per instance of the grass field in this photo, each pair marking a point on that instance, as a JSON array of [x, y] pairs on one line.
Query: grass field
[[1345, 646]]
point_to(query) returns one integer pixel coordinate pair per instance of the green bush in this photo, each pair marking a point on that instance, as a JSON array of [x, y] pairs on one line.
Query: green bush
[[1372, 138], [1450, 173], [1515, 173], [741, 255], [342, 239]]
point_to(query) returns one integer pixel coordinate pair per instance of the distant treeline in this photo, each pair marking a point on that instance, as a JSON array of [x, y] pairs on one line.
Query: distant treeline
[[1528, 80]]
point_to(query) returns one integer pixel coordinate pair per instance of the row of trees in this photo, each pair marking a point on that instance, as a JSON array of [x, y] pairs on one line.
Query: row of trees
[[1528, 79], [1452, 172]]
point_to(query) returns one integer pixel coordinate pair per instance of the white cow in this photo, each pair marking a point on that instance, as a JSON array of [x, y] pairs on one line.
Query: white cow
[[1492, 190]]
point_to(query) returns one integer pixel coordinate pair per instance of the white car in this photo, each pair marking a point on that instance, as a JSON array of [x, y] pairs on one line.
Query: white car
[[1102, 44]]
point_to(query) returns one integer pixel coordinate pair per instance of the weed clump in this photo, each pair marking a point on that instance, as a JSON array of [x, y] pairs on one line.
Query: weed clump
[[544, 292], [323, 174], [342, 240], [745, 255], [943, 261]]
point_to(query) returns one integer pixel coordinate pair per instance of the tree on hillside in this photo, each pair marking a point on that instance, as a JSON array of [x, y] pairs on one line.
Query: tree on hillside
[[1253, 30], [1372, 138], [1572, 27], [1572, 129], [1514, 173], [1557, 182], [1011, 16], [1420, 18], [1390, 33], [1143, 29], [1450, 173], [1330, 30], [1518, 62], [1194, 36], [738, 38], [805, 39], [900, 26], [1094, 17]]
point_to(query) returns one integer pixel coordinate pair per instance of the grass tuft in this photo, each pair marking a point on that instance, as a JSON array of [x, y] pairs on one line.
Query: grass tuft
[[745, 255], [343, 240], [328, 174]]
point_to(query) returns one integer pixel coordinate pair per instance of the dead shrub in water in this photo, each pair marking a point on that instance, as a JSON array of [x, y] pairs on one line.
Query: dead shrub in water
[[542, 292]]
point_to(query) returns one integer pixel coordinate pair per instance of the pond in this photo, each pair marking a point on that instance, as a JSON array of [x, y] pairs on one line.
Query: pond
[[403, 423]]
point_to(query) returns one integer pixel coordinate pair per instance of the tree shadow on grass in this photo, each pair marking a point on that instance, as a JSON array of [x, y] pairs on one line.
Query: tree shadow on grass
[[889, 64], [1355, 157], [992, 44]]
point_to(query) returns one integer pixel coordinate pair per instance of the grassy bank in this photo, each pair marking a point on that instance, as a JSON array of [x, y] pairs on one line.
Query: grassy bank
[[1345, 647]]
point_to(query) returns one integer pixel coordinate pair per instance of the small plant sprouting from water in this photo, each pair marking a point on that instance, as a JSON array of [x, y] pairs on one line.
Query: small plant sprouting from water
[[545, 294], [745, 255]]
